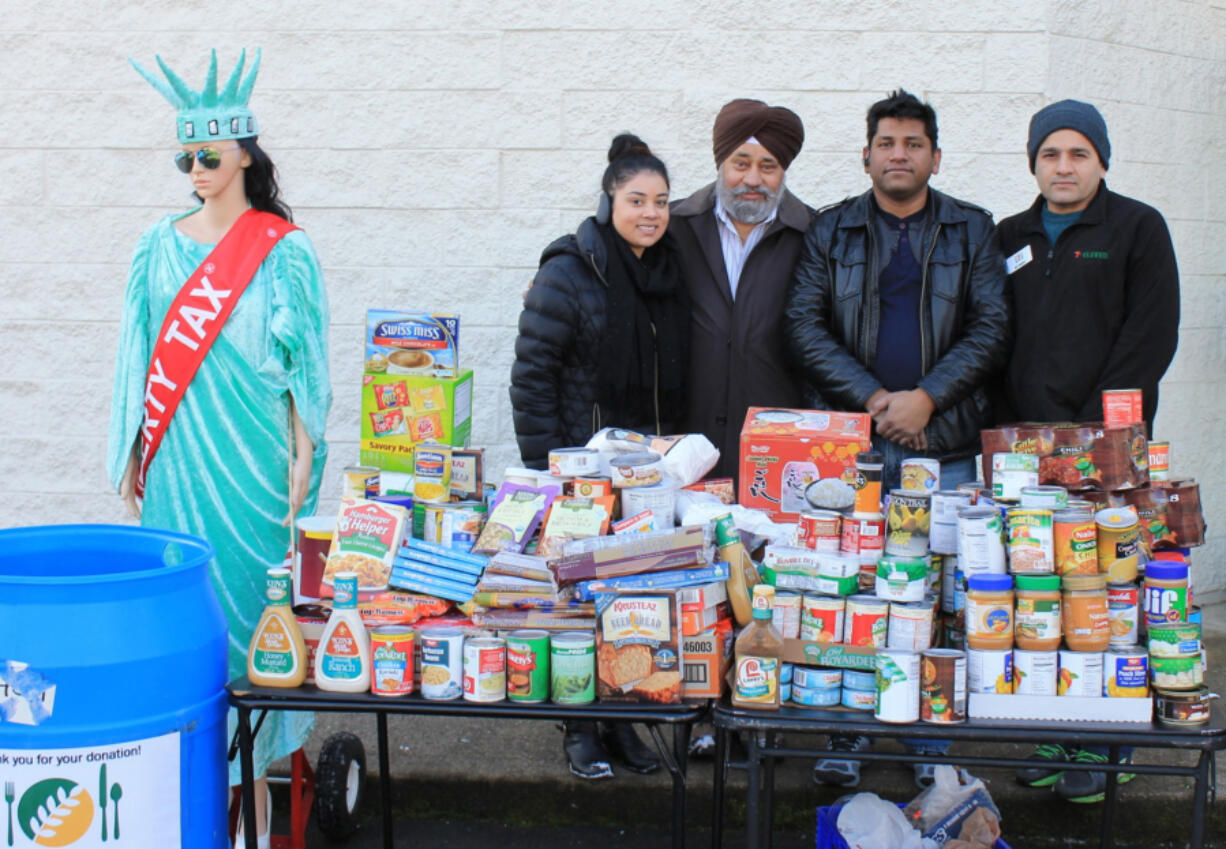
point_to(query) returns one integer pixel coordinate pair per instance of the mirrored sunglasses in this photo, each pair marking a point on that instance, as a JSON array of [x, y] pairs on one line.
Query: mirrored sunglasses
[[209, 157]]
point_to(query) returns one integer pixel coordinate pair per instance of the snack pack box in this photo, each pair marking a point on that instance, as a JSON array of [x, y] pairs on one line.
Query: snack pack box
[[638, 647], [416, 343], [794, 460], [401, 410]]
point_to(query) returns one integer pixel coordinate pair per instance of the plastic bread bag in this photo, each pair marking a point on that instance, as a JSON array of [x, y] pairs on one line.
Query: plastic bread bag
[[687, 457], [869, 822], [980, 830], [953, 796]]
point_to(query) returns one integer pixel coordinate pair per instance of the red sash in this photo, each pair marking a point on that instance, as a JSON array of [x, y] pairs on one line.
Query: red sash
[[195, 319]]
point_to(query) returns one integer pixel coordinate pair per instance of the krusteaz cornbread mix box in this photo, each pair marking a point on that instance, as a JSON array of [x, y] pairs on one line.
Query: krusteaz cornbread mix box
[[401, 410]]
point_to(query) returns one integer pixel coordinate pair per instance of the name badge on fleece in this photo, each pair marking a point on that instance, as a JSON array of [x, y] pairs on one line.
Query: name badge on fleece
[[1019, 259]]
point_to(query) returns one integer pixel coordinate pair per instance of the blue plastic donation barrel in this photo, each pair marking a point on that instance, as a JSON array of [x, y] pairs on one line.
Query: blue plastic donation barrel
[[112, 689]]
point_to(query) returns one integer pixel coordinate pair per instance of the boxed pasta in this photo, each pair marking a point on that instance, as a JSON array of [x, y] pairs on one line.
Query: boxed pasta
[[638, 647], [368, 536]]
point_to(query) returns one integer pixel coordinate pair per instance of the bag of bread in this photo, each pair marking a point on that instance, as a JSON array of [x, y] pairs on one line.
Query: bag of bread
[[638, 647]]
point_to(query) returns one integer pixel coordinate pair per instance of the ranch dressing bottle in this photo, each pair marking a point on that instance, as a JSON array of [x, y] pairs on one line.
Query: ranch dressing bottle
[[342, 661], [277, 654], [758, 647]]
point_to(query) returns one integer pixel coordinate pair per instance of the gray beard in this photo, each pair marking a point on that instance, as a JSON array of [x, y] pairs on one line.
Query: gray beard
[[747, 211]]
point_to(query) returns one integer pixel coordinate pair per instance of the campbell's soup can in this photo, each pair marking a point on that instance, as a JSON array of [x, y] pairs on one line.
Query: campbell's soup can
[[1123, 611], [1159, 461], [820, 530], [1075, 537], [485, 669], [442, 663], [943, 686], [866, 621], [1122, 407], [312, 620]]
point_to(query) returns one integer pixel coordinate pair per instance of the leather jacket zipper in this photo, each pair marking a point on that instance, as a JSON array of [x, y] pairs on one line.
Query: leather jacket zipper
[[867, 303], [923, 301]]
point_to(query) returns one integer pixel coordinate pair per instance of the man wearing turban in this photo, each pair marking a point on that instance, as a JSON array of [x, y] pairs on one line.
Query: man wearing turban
[[739, 238]]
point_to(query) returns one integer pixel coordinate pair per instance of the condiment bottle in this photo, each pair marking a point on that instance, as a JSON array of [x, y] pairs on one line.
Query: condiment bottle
[[758, 648], [1087, 622], [1036, 622], [868, 481], [744, 572], [342, 661], [277, 654], [1166, 592], [989, 611]]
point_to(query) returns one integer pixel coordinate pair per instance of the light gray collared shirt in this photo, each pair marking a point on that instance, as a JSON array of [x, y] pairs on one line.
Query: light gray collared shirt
[[736, 251]]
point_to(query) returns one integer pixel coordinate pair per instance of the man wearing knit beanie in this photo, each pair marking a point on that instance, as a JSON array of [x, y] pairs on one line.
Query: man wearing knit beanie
[[1095, 296], [739, 238]]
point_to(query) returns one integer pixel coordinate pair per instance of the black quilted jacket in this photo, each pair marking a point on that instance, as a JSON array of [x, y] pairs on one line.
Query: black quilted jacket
[[555, 376]]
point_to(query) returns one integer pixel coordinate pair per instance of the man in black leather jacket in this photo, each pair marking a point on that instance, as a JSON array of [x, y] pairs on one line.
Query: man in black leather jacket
[[897, 308]]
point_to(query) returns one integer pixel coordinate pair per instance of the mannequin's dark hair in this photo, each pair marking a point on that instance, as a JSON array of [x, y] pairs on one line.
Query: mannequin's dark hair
[[630, 155], [260, 181]]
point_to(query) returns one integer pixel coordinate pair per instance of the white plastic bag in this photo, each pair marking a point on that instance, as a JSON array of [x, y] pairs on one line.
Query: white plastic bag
[[953, 796], [687, 457], [870, 822]]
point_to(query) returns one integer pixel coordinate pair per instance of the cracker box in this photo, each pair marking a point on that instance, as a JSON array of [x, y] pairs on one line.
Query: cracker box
[[795, 460], [707, 657], [638, 647], [401, 410], [415, 343]]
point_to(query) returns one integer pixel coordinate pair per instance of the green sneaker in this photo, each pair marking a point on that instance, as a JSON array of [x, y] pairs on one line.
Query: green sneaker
[[1046, 770], [1086, 787]]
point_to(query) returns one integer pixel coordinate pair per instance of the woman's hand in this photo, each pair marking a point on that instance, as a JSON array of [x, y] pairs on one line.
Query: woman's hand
[[300, 467], [127, 486]]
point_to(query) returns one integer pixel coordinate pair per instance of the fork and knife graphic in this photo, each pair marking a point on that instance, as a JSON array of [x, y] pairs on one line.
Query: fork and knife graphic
[[115, 793]]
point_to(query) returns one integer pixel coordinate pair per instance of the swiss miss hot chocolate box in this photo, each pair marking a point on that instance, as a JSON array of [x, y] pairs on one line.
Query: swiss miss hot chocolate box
[[638, 647], [412, 343]]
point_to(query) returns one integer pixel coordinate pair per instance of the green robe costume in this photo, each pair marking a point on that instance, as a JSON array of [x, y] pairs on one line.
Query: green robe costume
[[221, 472]]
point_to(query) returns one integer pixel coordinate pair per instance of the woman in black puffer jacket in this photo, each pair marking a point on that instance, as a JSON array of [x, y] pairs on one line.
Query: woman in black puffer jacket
[[603, 335], [603, 343]]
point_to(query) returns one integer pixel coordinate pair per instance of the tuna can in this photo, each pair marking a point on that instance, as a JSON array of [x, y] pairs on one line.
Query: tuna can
[[907, 523], [1126, 672], [943, 686], [1075, 537], [1081, 674], [1035, 672], [820, 530], [1173, 639], [573, 462], [898, 686], [859, 679], [785, 673], [785, 615], [910, 627], [442, 663], [528, 666], [860, 699], [572, 665], [1011, 473], [812, 678], [1159, 461], [1183, 709], [360, 482], [1177, 673], [920, 474], [902, 578], [785, 691], [391, 660], [644, 468], [863, 532], [989, 670], [822, 617], [866, 621], [980, 547], [1122, 407], [1119, 543], [660, 499], [1031, 549], [1123, 609], [805, 697], [485, 669], [1045, 497]]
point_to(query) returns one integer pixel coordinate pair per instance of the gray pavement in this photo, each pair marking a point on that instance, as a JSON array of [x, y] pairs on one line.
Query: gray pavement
[[494, 783]]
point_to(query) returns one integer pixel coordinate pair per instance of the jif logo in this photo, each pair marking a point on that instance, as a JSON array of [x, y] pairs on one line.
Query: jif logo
[[1090, 255]]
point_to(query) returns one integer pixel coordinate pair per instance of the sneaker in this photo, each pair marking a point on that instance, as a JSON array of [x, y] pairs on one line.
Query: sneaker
[[1089, 787], [1045, 772], [840, 772], [622, 742], [702, 746]]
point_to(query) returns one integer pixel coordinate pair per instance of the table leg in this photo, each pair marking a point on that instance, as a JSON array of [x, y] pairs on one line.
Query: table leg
[[1199, 801], [717, 787], [681, 750], [385, 780], [768, 798], [753, 828], [1108, 814], [246, 746]]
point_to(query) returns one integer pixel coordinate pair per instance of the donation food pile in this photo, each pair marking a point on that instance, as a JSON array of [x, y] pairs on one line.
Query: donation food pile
[[1061, 582]]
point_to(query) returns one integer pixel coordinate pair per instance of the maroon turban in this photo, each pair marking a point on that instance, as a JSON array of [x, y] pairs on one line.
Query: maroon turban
[[777, 128]]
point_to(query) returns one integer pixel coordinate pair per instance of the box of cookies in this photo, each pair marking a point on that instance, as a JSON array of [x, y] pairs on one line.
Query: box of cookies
[[400, 411], [638, 647]]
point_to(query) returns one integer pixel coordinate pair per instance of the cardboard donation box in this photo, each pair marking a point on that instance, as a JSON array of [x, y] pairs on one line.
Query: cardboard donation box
[[796, 460]]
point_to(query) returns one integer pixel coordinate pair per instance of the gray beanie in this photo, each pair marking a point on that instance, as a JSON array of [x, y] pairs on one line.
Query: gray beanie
[[1069, 115]]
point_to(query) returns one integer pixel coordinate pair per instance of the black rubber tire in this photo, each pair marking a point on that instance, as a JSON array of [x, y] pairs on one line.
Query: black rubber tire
[[334, 774]]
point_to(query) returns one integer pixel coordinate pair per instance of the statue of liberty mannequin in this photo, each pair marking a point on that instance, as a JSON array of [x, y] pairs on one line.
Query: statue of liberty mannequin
[[221, 388]]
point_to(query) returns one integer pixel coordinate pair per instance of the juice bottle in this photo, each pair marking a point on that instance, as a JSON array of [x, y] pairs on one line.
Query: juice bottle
[[277, 654], [744, 572], [342, 661], [757, 656]]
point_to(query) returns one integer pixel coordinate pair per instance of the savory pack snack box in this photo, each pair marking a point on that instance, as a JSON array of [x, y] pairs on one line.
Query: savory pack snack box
[[795, 460], [638, 647], [399, 411]]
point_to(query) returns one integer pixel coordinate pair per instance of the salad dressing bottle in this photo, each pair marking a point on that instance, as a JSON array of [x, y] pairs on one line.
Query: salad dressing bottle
[[744, 573], [342, 661], [758, 648], [277, 654]]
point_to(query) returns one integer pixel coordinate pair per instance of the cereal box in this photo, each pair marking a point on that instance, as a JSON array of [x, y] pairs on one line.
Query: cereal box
[[795, 460], [368, 535], [401, 410], [638, 647], [412, 343]]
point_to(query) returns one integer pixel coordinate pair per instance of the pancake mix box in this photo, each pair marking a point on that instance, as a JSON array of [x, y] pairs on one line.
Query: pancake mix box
[[797, 460], [401, 410]]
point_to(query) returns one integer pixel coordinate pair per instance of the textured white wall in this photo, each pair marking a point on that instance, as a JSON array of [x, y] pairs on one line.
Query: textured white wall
[[431, 150]]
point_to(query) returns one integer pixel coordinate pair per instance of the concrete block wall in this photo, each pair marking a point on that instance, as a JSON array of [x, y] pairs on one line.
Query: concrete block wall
[[432, 151]]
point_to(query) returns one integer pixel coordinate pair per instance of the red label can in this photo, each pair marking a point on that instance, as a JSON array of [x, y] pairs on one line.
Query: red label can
[[863, 532], [1122, 407], [820, 530], [391, 660]]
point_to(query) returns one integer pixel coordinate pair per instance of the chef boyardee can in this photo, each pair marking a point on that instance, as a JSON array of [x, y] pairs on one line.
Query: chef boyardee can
[[572, 668], [528, 666]]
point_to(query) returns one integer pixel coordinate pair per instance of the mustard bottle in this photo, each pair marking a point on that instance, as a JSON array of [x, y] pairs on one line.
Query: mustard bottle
[[277, 654], [342, 661]]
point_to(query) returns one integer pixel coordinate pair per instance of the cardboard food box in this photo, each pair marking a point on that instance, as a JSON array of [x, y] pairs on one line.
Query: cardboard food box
[[417, 343], [707, 658], [1060, 708], [680, 549], [1075, 456], [638, 647], [794, 460], [838, 655], [401, 410]]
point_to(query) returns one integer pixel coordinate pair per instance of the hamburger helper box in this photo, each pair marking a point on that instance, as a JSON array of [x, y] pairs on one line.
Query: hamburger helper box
[[795, 460]]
